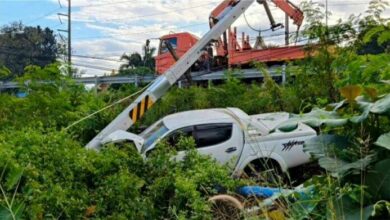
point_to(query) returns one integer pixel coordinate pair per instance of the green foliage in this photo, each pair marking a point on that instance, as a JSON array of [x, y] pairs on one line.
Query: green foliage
[[253, 99], [4, 73], [384, 141], [139, 64], [46, 172], [382, 33], [139, 71], [132, 61], [374, 31], [351, 157], [60, 179], [23, 45]]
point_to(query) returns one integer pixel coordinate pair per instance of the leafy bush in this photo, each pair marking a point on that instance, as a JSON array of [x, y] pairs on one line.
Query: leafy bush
[[49, 175]]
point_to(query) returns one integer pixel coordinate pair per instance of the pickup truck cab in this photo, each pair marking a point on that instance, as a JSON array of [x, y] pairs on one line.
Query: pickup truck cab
[[229, 135]]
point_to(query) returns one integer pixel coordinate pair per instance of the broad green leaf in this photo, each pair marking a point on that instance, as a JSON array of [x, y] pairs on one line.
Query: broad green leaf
[[332, 165], [334, 122], [378, 180], [318, 117], [5, 214], [384, 141], [14, 214], [320, 145], [350, 92], [366, 112], [340, 168], [337, 105], [344, 208], [363, 102], [315, 118], [382, 105], [13, 177], [321, 114]]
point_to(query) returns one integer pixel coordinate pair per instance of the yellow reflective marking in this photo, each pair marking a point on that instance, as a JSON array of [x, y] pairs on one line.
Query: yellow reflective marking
[[134, 116], [142, 107]]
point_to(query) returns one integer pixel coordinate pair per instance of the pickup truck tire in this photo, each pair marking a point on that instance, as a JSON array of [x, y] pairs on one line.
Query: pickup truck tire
[[265, 171], [226, 207]]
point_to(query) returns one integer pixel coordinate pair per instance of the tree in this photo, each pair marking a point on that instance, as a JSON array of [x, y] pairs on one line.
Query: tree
[[148, 58], [374, 36], [136, 61], [21, 46], [4, 73], [132, 61]]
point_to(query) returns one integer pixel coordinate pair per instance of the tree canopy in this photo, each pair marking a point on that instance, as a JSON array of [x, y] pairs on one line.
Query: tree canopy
[[21, 46], [138, 64]]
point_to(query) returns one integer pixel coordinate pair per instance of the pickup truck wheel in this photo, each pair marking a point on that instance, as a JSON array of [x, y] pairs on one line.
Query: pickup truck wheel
[[265, 172], [226, 207]]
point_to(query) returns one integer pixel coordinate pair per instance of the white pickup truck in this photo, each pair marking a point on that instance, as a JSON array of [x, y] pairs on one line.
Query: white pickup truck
[[229, 135]]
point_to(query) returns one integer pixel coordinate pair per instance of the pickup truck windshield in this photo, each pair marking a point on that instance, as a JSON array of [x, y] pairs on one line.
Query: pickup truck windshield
[[152, 134]]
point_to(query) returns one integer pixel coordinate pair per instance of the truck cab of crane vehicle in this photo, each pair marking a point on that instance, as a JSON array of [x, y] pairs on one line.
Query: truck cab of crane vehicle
[[180, 42]]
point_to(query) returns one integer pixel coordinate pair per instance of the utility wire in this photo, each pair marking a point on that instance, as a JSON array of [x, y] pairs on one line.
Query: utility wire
[[95, 57], [121, 2], [43, 16], [93, 67], [139, 33], [146, 32], [161, 13], [108, 106]]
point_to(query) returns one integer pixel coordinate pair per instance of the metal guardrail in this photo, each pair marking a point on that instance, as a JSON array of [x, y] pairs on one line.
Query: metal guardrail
[[196, 77]]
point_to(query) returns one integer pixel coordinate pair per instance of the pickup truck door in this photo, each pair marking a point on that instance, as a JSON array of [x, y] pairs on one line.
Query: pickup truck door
[[222, 141]]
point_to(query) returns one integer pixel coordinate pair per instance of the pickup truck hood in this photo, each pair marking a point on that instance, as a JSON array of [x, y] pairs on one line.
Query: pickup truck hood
[[123, 136]]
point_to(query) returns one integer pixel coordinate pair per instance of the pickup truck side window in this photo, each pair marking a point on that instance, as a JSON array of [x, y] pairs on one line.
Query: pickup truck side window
[[173, 137], [212, 134]]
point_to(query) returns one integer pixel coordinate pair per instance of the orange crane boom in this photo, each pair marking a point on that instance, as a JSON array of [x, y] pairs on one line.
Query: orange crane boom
[[227, 50], [243, 54]]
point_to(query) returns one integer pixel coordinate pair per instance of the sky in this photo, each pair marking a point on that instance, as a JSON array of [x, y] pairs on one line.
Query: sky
[[108, 28]]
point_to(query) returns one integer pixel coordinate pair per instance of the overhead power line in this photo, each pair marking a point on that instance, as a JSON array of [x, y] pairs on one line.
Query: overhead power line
[[126, 1], [145, 32], [43, 16], [160, 13], [94, 67], [96, 58], [139, 33]]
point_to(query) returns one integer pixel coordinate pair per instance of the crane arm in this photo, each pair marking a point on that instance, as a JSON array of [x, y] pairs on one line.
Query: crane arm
[[291, 10], [220, 10], [288, 7], [160, 86]]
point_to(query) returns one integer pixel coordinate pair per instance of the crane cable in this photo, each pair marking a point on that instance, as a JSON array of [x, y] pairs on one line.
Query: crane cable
[[259, 30], [108, 106], [254, 29]]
